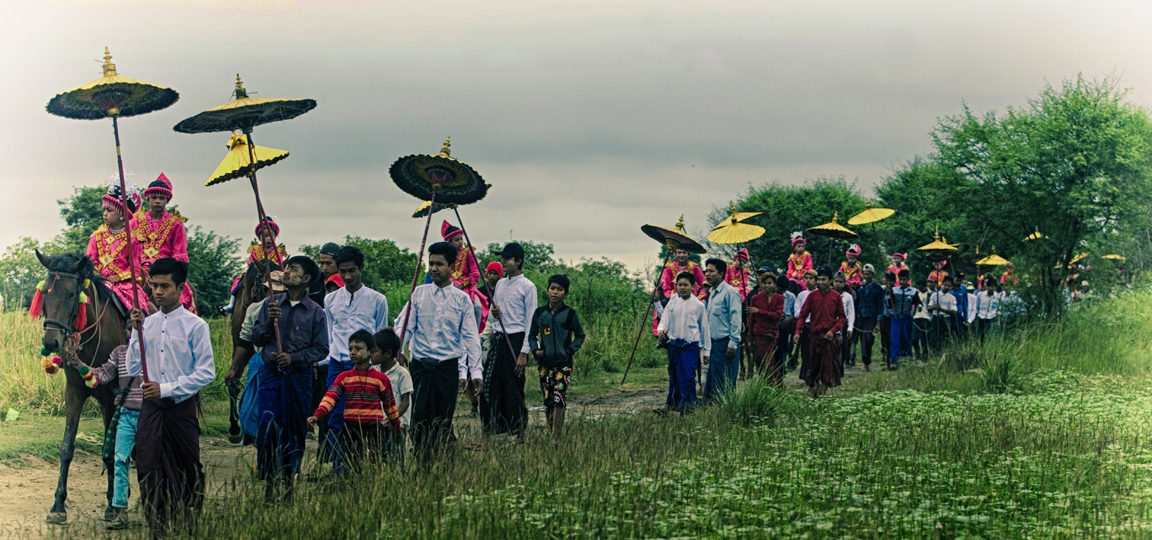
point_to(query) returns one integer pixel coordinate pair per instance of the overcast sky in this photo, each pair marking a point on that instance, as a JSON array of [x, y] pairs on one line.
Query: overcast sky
[[588, 118]]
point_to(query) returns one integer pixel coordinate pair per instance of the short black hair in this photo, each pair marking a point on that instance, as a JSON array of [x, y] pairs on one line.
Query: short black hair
[[177, 270], [904, 272], [686, 275], [330, 249], [825, 271], [947, 278], [387, 340], [306, 263], [365, 337], [444, 249], [350, 254], [782, 283], [718, 264], [561, 280], [890, 275]]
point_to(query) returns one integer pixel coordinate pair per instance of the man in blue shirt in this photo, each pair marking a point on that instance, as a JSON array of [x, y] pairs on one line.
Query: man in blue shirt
[[869, 309], [352, 307], [902, 303], [725, 321], [960, 320]]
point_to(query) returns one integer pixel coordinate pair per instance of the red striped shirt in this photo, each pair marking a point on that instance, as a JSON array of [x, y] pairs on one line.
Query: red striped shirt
[[367, 398]]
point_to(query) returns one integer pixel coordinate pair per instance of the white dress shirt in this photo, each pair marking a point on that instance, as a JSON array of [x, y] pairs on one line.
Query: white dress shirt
[[516, 296], [942, 299], [800, 298], [849, 311], [442, 327], [686, 319], [179, 350], [348, 312], [987, 305]]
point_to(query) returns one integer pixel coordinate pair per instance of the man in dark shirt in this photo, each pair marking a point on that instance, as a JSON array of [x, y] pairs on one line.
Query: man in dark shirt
[[284, 394], [869, 307]]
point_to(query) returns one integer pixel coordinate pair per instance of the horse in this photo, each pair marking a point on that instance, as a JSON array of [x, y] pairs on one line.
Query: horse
[[70, 274], [252, 289]]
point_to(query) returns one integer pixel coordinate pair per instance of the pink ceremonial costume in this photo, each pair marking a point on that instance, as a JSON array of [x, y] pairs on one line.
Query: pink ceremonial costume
[[798, 265], [466, 272], [108, 252], [668, 284], [160, 238], [739, 280], [852, 273], [895, 270]]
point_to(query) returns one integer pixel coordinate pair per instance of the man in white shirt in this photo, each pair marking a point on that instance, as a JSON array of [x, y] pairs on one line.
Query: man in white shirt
[[987, 307], [445, 347], [941, 307], [684, 326], [502, 407], [179, 363]]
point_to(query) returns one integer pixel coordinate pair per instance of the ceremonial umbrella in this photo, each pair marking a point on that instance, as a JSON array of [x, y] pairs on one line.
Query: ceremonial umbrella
[[435, 179], [673, 238], [735, 217], [832, 229], [113, 96], [937, 245], [869, 217], [243, 114], [1035, 236], [993, 260], [427, 207], [733, 231], [1115, 257], [238, 161]]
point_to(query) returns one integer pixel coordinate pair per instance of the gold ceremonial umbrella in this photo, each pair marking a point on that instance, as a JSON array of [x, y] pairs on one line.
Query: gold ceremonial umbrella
[[832, 229], [1115, 257], [937, 245], [114, 96], [1035, 236], [238, 161], [993, 260], [1079, 257], [732, 231], [869, 217]]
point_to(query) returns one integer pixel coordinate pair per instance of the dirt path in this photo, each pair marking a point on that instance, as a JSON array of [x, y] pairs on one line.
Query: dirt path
[[28, 490]]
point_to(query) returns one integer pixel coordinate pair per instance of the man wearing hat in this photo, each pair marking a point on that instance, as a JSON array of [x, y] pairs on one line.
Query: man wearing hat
[[513, 303], [108, 249], [161, 234], [284, 394]]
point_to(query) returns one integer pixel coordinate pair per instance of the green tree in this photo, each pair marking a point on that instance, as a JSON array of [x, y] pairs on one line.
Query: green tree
[[213, 267], [1074, 163], [924, 194], [537, 255], [20, 272], [82, 215], [788, 209], [385, 264]]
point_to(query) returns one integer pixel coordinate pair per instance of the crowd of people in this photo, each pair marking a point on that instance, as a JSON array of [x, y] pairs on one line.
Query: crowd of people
[[737, 322], [322, 350]]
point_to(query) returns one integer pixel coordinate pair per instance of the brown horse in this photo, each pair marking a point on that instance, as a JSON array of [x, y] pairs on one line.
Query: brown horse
[[69, 275], [252, 289]]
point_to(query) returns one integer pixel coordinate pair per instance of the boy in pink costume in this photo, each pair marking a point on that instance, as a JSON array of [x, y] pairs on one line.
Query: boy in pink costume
[[737, 274], [898, 265], [466, 271], [799, 262], [938, 272], [161, 234], [851, 268], [108, 249]]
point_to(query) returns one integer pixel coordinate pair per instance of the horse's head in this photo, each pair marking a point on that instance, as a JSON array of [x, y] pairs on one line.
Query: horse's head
[[68, 275]]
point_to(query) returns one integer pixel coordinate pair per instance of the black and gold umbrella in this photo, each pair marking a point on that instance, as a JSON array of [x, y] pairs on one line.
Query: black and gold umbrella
[[113, 96], [243, 114], [427, 207], [441, 181]]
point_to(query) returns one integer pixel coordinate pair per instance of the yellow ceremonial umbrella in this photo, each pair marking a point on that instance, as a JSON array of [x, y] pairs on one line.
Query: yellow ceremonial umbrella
[[237, 162], [869, 217], [1079, 257], [732, 231], [1115, 257], [937, 245], [1035, 236], [832, 229], [993, 260]]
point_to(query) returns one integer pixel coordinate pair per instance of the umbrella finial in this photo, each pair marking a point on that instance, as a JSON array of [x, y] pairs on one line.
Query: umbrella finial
[[109, 67], [835, 215], [446, 150], [240, 92], [680, 223]]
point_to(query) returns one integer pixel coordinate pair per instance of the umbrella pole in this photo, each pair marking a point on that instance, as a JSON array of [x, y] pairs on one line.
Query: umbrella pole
[[643, 320], [473, 250], [416, 273], [128, 243], [877, 239], [261, 215]]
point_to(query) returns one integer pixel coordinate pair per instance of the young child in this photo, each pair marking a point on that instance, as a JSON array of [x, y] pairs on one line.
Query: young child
[[684, 325], [367, 402], [384, 355], [765, 309], [897, 265], [799, 262], [128, 399], [554, 338], [823, 313], [938, 272], [851, 267]]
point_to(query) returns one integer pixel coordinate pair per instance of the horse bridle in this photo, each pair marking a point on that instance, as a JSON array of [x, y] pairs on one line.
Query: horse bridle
[[65, 326]]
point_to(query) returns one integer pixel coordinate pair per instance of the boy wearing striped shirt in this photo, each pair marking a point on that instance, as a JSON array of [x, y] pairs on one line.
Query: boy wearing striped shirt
[[368, 401]]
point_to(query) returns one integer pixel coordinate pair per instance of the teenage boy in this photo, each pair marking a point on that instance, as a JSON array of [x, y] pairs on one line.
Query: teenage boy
[[870, 307], [368, 404], [554, 338], [823, 313], [684, 327], [903, 300], [840, 285], [987, 307], [502, 407], [942, 308], [725, 314], [168, 431], [765, 308]]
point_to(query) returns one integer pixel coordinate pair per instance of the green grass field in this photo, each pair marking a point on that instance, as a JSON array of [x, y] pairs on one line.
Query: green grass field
[[1042, 434]]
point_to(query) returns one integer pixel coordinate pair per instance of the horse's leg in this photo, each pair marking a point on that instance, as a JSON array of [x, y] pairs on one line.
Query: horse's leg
[[107, 406], [73, 403]]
